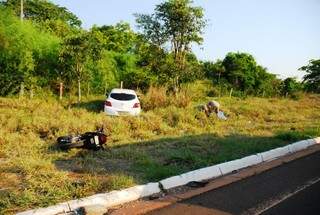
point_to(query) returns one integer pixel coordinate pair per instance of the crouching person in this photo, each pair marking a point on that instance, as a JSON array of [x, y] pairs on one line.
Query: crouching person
[[213, 107], [210, 107]]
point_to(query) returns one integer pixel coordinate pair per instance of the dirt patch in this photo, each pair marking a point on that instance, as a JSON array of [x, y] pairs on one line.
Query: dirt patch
[[9, 181]]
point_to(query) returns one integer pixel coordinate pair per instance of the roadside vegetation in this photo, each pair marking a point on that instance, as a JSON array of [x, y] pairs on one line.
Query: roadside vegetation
[[49, 53], [166, 140]]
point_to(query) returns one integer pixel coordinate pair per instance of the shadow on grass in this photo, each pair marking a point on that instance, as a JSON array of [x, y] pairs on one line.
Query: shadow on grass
[[157, 159], [95, 106]]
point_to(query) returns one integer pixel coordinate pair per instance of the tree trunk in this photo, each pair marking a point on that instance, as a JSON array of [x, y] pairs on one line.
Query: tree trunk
[[21, 93], [31, 92], [88, 88], [230, 95], [79, 74], [176, 85], [60, 90], [79, 90], [105, 88]]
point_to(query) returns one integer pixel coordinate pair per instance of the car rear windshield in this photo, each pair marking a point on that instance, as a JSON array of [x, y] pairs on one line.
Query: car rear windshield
[[122, 96]]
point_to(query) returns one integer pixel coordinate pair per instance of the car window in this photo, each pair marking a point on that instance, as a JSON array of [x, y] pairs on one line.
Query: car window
[[122, 96]]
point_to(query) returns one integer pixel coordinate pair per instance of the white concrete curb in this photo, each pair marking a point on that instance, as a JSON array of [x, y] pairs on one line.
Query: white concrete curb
[[275, 153], [117, 197], [234, 165], [52, 210], [312, 141], [133, 193], [171, 182], [299, 146], [196, 175], [106, 199]]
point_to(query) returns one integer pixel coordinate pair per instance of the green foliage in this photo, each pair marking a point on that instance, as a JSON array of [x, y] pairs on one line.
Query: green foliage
[[99, 58], [290, 86], [104, 74], [241, 73], [49, 48], [178, 23], [266, 84], [312, 78], [74, 54], [152, 29], [192, 70], [214, 71], [42, 11], [129, 73], [118, 38], [26, 55]]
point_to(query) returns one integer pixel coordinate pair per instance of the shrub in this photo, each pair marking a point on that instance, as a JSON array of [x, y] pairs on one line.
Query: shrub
[[182, 99], [156, 97]]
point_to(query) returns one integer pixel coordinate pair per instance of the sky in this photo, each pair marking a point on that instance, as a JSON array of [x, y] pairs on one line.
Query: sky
[[282, 35]]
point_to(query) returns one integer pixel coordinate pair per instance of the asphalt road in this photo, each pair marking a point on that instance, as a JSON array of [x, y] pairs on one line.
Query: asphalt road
[[304, 202], [292, 188]]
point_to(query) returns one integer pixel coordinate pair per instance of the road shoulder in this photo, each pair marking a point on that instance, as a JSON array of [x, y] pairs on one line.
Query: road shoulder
[[181, 193]]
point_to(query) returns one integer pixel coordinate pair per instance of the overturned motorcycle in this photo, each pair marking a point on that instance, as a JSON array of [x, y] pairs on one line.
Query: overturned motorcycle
[[89, 140]]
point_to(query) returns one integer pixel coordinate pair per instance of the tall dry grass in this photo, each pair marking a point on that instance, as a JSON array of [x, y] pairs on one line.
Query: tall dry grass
[[160, 97]]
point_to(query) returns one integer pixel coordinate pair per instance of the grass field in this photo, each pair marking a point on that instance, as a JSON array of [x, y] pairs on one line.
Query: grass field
[[161, 142]]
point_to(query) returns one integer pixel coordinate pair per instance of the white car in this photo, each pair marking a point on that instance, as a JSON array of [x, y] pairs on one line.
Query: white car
[[122, 102]]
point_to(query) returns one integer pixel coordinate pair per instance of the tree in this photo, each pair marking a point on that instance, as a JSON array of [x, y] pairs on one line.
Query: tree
[[290, 86], [312, 78], [104, 74], [152, 60], [118, 38], [46, 15], [74, 55], [178, 23], [26, 54], [152, 29], [213, 71], [266, 84], [244, 74], [42, 10], [192, 71], [241, 72]]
